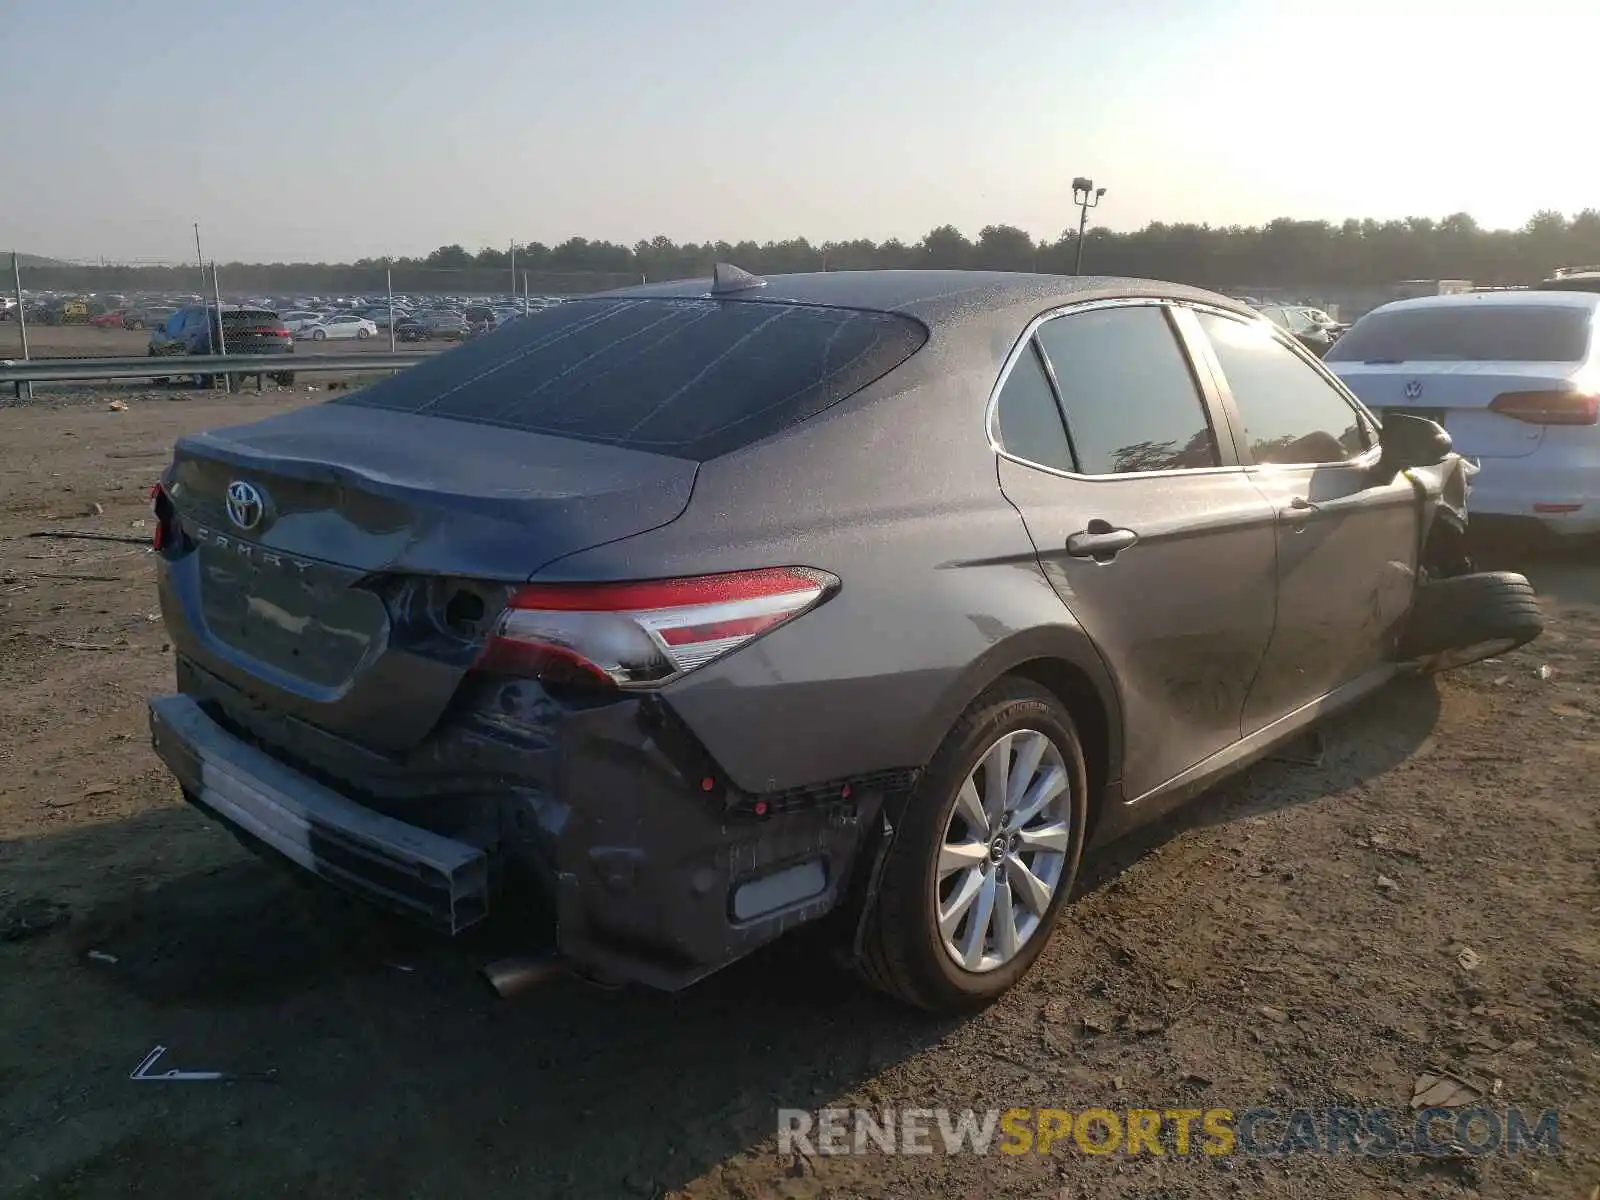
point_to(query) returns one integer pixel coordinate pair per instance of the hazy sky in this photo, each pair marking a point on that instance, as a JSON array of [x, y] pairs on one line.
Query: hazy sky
[[340, 129]]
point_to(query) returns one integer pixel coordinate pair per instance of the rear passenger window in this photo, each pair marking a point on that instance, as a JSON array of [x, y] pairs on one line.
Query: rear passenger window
[[1030, 422], [1130, 399]]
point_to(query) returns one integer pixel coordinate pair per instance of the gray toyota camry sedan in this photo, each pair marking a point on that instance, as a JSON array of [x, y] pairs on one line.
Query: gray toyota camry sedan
[[718, 607]]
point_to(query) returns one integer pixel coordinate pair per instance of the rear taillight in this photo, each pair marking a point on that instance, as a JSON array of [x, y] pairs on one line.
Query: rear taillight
[[638, 635], [1548, 408], [161, 506]]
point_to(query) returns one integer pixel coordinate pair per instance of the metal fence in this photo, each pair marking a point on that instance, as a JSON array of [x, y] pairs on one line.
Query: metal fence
[[205, 366], [291, 280], [40, 296]]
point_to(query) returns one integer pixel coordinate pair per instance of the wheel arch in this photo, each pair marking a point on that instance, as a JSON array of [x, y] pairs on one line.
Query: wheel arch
[[1062, 660]]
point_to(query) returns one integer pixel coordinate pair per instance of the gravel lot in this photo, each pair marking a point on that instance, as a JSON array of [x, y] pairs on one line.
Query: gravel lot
[[1245, 954]]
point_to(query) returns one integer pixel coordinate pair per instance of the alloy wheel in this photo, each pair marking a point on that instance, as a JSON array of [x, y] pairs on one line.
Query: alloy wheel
[[1004, 851]]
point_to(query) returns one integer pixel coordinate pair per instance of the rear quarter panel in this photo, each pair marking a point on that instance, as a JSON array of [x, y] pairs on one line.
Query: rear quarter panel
[[894, 491]]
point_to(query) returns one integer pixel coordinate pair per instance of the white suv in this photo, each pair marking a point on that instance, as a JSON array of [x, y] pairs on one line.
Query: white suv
[[1514, 377]]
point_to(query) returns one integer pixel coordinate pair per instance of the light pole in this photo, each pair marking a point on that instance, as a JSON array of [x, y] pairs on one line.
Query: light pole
[[1086, 196]]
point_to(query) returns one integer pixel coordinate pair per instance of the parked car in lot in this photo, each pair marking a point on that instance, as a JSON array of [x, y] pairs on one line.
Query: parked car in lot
[[151, 316], [1572, 279], [1322, 320], [380, 316], [1514, 377], [876, 595], [1298, 321], [339, 325], [431, 326], [196, 330], [410, 329], [116, 318], [65, 310], [298, 320]]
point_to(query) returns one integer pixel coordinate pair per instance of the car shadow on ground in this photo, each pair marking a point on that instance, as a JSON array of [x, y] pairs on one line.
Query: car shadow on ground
[[394, 1059], [1379, 733]]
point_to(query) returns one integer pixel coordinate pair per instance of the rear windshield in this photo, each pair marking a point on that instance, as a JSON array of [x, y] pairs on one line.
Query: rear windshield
[[691, 378], [1459, 333]]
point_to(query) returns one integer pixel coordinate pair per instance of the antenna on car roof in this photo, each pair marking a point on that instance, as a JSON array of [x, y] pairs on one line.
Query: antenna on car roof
[[725, 277]]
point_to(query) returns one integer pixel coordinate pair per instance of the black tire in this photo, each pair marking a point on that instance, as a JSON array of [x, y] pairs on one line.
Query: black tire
[[283, 378], [318, 335], [362, 335], [136, 325], [205, 382], [903, 953], [1467, 618]]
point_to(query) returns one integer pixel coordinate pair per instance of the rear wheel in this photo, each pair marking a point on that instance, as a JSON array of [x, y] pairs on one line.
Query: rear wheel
[[319, 335], [363, 334], [283, 378], [986, 852], [1467, 618]]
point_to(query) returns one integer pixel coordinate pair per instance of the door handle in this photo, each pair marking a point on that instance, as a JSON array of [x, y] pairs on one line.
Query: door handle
[[1100, 541], [1301, 510]]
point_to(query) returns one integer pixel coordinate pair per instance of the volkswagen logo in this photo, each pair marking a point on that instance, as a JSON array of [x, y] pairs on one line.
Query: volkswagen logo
[[246, 504], [1414, 389]]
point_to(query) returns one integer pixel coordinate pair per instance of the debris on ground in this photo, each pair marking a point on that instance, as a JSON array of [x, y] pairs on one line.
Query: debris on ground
[[1444, 1090], [1387, 886], [32, 917], [118, 406], [1468, 958], [145, 1072], [102, 956]]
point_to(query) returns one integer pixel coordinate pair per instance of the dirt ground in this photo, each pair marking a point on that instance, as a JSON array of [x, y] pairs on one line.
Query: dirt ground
[[85, 341], [1296, 937]]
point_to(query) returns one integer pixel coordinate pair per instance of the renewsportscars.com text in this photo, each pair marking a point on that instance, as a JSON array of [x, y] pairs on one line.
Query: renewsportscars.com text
[[1256, 1132]]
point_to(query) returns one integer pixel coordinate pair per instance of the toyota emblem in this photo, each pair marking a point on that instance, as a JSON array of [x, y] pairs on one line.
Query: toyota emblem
[[1414, 389], [246, 505]]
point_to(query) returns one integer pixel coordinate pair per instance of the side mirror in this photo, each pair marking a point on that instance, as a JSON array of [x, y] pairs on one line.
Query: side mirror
[[1409, 441]]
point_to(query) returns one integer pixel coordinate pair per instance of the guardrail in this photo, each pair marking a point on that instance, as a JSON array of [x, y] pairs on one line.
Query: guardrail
[[22, 372]]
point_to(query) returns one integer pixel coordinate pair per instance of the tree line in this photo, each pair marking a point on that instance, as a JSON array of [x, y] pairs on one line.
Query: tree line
[[1283, 252]]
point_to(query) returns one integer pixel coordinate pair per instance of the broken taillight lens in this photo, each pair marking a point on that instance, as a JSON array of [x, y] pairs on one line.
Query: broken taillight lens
[[643, 634], [161, 506], [1548, 407]]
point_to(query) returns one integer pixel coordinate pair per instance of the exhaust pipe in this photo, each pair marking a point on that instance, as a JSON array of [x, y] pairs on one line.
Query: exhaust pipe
[[511, 977]]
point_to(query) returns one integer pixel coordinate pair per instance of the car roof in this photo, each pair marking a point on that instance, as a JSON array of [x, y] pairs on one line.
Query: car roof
[[935, 297], [1528, 299]]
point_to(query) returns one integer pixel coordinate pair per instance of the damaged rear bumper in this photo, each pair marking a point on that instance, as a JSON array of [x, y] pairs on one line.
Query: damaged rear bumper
[[656, 869], [439, 880]]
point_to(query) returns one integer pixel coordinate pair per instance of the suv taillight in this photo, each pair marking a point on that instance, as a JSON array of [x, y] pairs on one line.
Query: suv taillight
[[644, 634], [1548, 407]]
